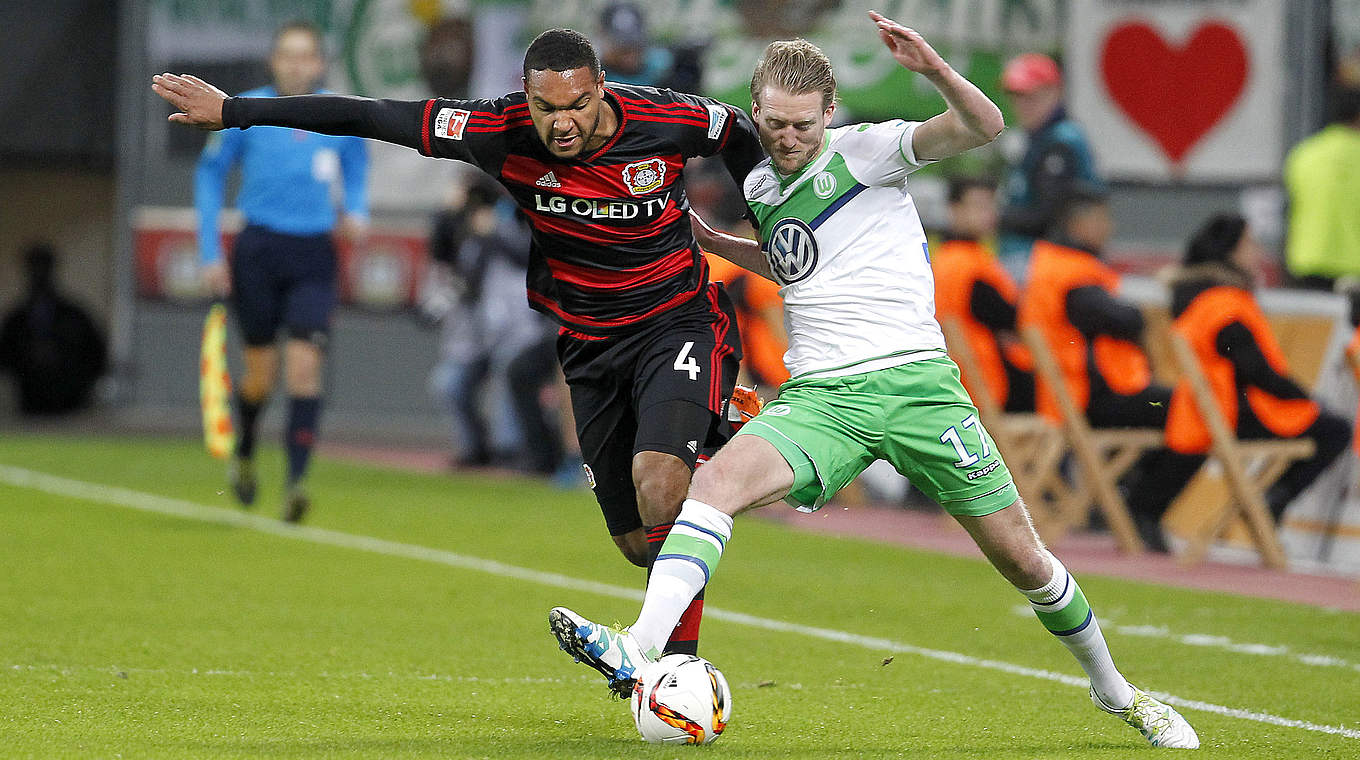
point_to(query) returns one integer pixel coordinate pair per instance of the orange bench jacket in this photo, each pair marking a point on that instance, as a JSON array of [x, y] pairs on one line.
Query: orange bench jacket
[[958, 265], [1200, 323], [1055, 271]]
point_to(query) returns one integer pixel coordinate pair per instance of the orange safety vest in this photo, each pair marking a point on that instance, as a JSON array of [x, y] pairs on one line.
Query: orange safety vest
[[957, 265], [1055, 271], [1200, 324]]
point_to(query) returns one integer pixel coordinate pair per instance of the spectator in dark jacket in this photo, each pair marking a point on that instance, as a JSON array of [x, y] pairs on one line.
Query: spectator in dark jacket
[[1057, 157], [49, 344]]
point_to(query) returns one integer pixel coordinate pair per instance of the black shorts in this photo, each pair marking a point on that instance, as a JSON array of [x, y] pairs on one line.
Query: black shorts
[[280, 280], [662, 389]]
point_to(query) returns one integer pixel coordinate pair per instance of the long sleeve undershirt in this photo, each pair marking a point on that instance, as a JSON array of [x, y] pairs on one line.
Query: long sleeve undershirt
[[991, 308], [1093, 311], [394, 121], [1236, 343]]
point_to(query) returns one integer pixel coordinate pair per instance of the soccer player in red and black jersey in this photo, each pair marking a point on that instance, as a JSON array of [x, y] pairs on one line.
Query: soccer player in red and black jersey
[[649, 346]]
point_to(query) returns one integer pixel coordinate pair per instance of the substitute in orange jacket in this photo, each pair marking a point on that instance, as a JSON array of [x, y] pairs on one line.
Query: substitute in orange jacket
[[1096, 339], [1214, 309], [973, 289]]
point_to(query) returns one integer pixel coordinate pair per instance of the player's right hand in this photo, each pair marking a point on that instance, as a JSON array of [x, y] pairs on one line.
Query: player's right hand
[[199, 103], [217, 280], [908, 47]]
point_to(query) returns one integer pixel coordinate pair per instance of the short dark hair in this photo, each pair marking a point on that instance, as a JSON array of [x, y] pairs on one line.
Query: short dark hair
[[1078, 198], [1345, 104], [959, 187], [301, 25], [561, 50], [1215, 240]]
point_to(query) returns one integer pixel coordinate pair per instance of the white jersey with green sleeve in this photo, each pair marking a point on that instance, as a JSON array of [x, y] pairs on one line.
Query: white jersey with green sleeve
[[846, 245]]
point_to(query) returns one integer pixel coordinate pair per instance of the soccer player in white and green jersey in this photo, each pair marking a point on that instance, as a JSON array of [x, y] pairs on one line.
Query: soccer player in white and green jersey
[[870, 376]]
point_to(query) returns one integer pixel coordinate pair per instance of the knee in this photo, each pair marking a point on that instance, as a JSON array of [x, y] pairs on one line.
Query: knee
[[1029, 569], [1017, 553], [303, 374], [255, 389], [660, 486], [304, 384], [703, 486]]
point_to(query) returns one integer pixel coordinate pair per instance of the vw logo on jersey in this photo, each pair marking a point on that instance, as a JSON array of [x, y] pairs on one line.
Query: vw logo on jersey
[[824, 185], [792, 250]]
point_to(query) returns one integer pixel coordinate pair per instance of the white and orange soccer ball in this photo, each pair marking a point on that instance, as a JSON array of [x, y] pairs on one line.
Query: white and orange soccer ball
[[681, 699]]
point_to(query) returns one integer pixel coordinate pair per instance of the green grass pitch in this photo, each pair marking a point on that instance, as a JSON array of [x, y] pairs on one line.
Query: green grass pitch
[[128, 633]]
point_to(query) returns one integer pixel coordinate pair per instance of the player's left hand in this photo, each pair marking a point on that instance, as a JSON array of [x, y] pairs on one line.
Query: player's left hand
[[199, 103], [907, 46]]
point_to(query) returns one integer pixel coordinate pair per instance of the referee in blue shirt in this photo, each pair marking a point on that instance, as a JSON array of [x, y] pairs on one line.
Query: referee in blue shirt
[[282, 270]]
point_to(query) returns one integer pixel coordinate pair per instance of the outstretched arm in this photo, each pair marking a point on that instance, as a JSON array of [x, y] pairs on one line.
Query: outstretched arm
[[971, 119], [741, 251], [204, 106]]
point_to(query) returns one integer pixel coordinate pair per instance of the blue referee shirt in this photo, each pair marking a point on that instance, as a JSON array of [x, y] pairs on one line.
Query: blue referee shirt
[[286, 179]]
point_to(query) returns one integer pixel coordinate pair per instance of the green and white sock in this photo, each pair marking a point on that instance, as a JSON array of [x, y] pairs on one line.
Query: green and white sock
[[1063, 610], [686, 562]]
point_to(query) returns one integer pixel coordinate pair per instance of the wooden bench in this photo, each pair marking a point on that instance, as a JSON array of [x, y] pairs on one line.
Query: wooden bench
[[1249, 468], [1103, 456]]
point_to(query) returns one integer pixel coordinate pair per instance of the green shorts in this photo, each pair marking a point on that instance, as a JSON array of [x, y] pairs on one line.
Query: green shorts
[[916, 416]]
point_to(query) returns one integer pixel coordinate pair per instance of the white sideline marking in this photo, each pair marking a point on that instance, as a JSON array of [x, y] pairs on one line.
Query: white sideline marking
[[146, 502], [1212, 641]]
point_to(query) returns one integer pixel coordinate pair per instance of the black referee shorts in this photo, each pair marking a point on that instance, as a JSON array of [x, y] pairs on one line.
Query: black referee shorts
[[660, 389], [280, 280]]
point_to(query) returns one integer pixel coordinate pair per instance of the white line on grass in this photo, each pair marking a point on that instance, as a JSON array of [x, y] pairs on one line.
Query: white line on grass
[[146, 502], [1212, 641]]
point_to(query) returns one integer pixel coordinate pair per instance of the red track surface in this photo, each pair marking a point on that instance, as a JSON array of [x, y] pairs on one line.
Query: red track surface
[[1081, 552]]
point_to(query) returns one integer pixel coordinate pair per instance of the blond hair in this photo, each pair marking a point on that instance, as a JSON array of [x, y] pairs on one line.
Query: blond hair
[[797, 67]]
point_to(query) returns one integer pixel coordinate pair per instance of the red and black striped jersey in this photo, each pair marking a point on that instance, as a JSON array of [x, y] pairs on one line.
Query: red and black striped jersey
[[612, 245]]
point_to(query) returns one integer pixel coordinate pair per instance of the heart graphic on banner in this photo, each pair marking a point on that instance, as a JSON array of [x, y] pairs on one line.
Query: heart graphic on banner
[[1175, 95]]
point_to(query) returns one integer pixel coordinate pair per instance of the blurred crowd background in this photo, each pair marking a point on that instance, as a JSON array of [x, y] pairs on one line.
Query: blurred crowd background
[[1170, 112]]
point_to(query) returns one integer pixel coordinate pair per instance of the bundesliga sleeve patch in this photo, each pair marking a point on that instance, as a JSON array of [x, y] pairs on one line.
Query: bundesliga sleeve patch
[[450, 123], [717, 117]]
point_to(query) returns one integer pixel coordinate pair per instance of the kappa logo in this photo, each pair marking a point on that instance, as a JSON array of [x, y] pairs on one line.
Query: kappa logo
[[644, 176], [451, 122], [548, 180], [590, 475]]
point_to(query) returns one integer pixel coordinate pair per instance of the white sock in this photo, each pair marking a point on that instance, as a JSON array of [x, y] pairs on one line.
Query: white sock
[[1062, 608], [687, 560]]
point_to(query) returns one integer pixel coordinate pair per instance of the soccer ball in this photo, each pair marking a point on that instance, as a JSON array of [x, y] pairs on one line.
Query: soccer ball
[[681, 699]]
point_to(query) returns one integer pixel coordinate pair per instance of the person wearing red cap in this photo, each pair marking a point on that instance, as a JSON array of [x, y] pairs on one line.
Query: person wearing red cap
[[1056, 158]]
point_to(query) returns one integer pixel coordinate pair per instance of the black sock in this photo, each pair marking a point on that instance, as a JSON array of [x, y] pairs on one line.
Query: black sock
[[247, 416], [302, 417]]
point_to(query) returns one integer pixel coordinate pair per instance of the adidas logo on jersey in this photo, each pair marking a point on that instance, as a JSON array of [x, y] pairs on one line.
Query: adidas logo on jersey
[[693, 446], [548, 180]]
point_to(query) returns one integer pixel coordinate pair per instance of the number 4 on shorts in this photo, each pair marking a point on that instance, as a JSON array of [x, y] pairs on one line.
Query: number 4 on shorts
[[966, 457], [686, 363]]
